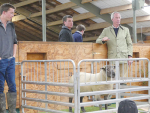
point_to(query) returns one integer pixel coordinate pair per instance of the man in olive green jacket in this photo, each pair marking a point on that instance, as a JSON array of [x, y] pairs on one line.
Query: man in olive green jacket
[[118, 41]]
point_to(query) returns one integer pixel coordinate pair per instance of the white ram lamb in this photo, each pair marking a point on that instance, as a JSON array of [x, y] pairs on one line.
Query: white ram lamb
[[102, 76]]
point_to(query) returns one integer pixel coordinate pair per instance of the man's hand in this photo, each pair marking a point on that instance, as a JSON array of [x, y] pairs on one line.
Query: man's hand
[[130, 61], [0, 58], [105, 39]]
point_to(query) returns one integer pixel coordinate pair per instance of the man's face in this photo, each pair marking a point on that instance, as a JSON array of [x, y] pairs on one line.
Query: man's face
[[116, 20], [69, 23], [9, 14]]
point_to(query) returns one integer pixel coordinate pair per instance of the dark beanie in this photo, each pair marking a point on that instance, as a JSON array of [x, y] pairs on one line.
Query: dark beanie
[[127, 106]]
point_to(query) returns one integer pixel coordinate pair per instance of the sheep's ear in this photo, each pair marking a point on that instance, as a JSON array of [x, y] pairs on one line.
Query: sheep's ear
[[104, 68]]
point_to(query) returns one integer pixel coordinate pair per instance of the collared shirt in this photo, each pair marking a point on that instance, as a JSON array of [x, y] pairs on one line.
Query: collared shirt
[[7, 39], [116, 29]]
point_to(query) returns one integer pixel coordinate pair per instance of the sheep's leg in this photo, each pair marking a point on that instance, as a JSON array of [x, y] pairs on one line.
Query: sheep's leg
[[106, 105], [100, 105], [82, 108], [70, 101]]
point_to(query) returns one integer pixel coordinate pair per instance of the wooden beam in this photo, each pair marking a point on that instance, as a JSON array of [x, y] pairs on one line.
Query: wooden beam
[[138, 19], [56, 9], [18, 17], [87, 1], [95, 26], [106, 24], [75, 18], [90, 39], [144, 30], [117, 8], [25, 3]]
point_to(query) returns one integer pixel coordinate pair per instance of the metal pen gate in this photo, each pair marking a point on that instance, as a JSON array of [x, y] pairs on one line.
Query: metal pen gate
[[44, 85], [137, 72]]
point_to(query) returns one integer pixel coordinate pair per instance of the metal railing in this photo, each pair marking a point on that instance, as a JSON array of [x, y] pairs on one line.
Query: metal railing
[[46, 83]]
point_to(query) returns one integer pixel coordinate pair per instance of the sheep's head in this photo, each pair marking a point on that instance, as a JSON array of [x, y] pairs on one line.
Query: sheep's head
[[110, 71]]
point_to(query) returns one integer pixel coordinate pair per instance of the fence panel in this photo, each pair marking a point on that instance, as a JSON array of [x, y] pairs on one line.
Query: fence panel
[[45, 85], [131, 81]]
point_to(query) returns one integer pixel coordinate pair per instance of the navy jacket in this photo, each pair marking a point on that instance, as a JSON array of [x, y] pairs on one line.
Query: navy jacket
[[77, 37], [65, 35]]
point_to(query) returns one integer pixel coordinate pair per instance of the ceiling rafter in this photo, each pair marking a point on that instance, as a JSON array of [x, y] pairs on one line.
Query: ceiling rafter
[[56, 9], [75, 18], [27, 14], [117, 8], [25, 3], [87, 1], [123, 21]]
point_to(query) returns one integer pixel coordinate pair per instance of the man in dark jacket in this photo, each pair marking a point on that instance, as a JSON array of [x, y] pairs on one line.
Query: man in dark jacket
[[65, 34], [78, 34]]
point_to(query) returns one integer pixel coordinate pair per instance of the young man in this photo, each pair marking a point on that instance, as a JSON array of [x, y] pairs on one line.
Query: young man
[[78, 34], [65, 34], [118, 41], [8, 46]]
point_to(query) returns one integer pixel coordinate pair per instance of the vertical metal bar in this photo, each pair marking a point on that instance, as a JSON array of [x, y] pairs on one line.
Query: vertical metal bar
[[75, 88], [117, 84], [78, 90], [149, 84], [96, 70], [60, 73], [34, 71], [144, 68], [53, 70], [57, 72], [136, 68], [49, 73], [22, 85], [45, 70], [134, 21], [85, 73], [40, 72], [44, 19], [68, 72], [64, 73], [92, 68], [31, 71], [37, 73]]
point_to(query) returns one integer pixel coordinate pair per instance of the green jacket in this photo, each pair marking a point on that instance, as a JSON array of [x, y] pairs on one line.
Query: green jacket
[[119, 46]]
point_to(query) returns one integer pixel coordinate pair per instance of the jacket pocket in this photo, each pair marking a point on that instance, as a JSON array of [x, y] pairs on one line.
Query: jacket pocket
[[124, 53], [110, 52]]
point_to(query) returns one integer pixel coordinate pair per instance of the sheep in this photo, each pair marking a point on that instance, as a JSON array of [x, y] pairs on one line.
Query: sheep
[[92, 78]]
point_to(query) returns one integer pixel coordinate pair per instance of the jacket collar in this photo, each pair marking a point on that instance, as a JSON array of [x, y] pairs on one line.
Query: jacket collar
[[120, 26], [79, 32], [64, 27]]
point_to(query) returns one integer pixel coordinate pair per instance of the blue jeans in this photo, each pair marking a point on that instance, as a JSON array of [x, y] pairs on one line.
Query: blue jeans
[[7, 72]]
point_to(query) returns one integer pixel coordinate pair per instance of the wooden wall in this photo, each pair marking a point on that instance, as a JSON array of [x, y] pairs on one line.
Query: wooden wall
[[64, 50]]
